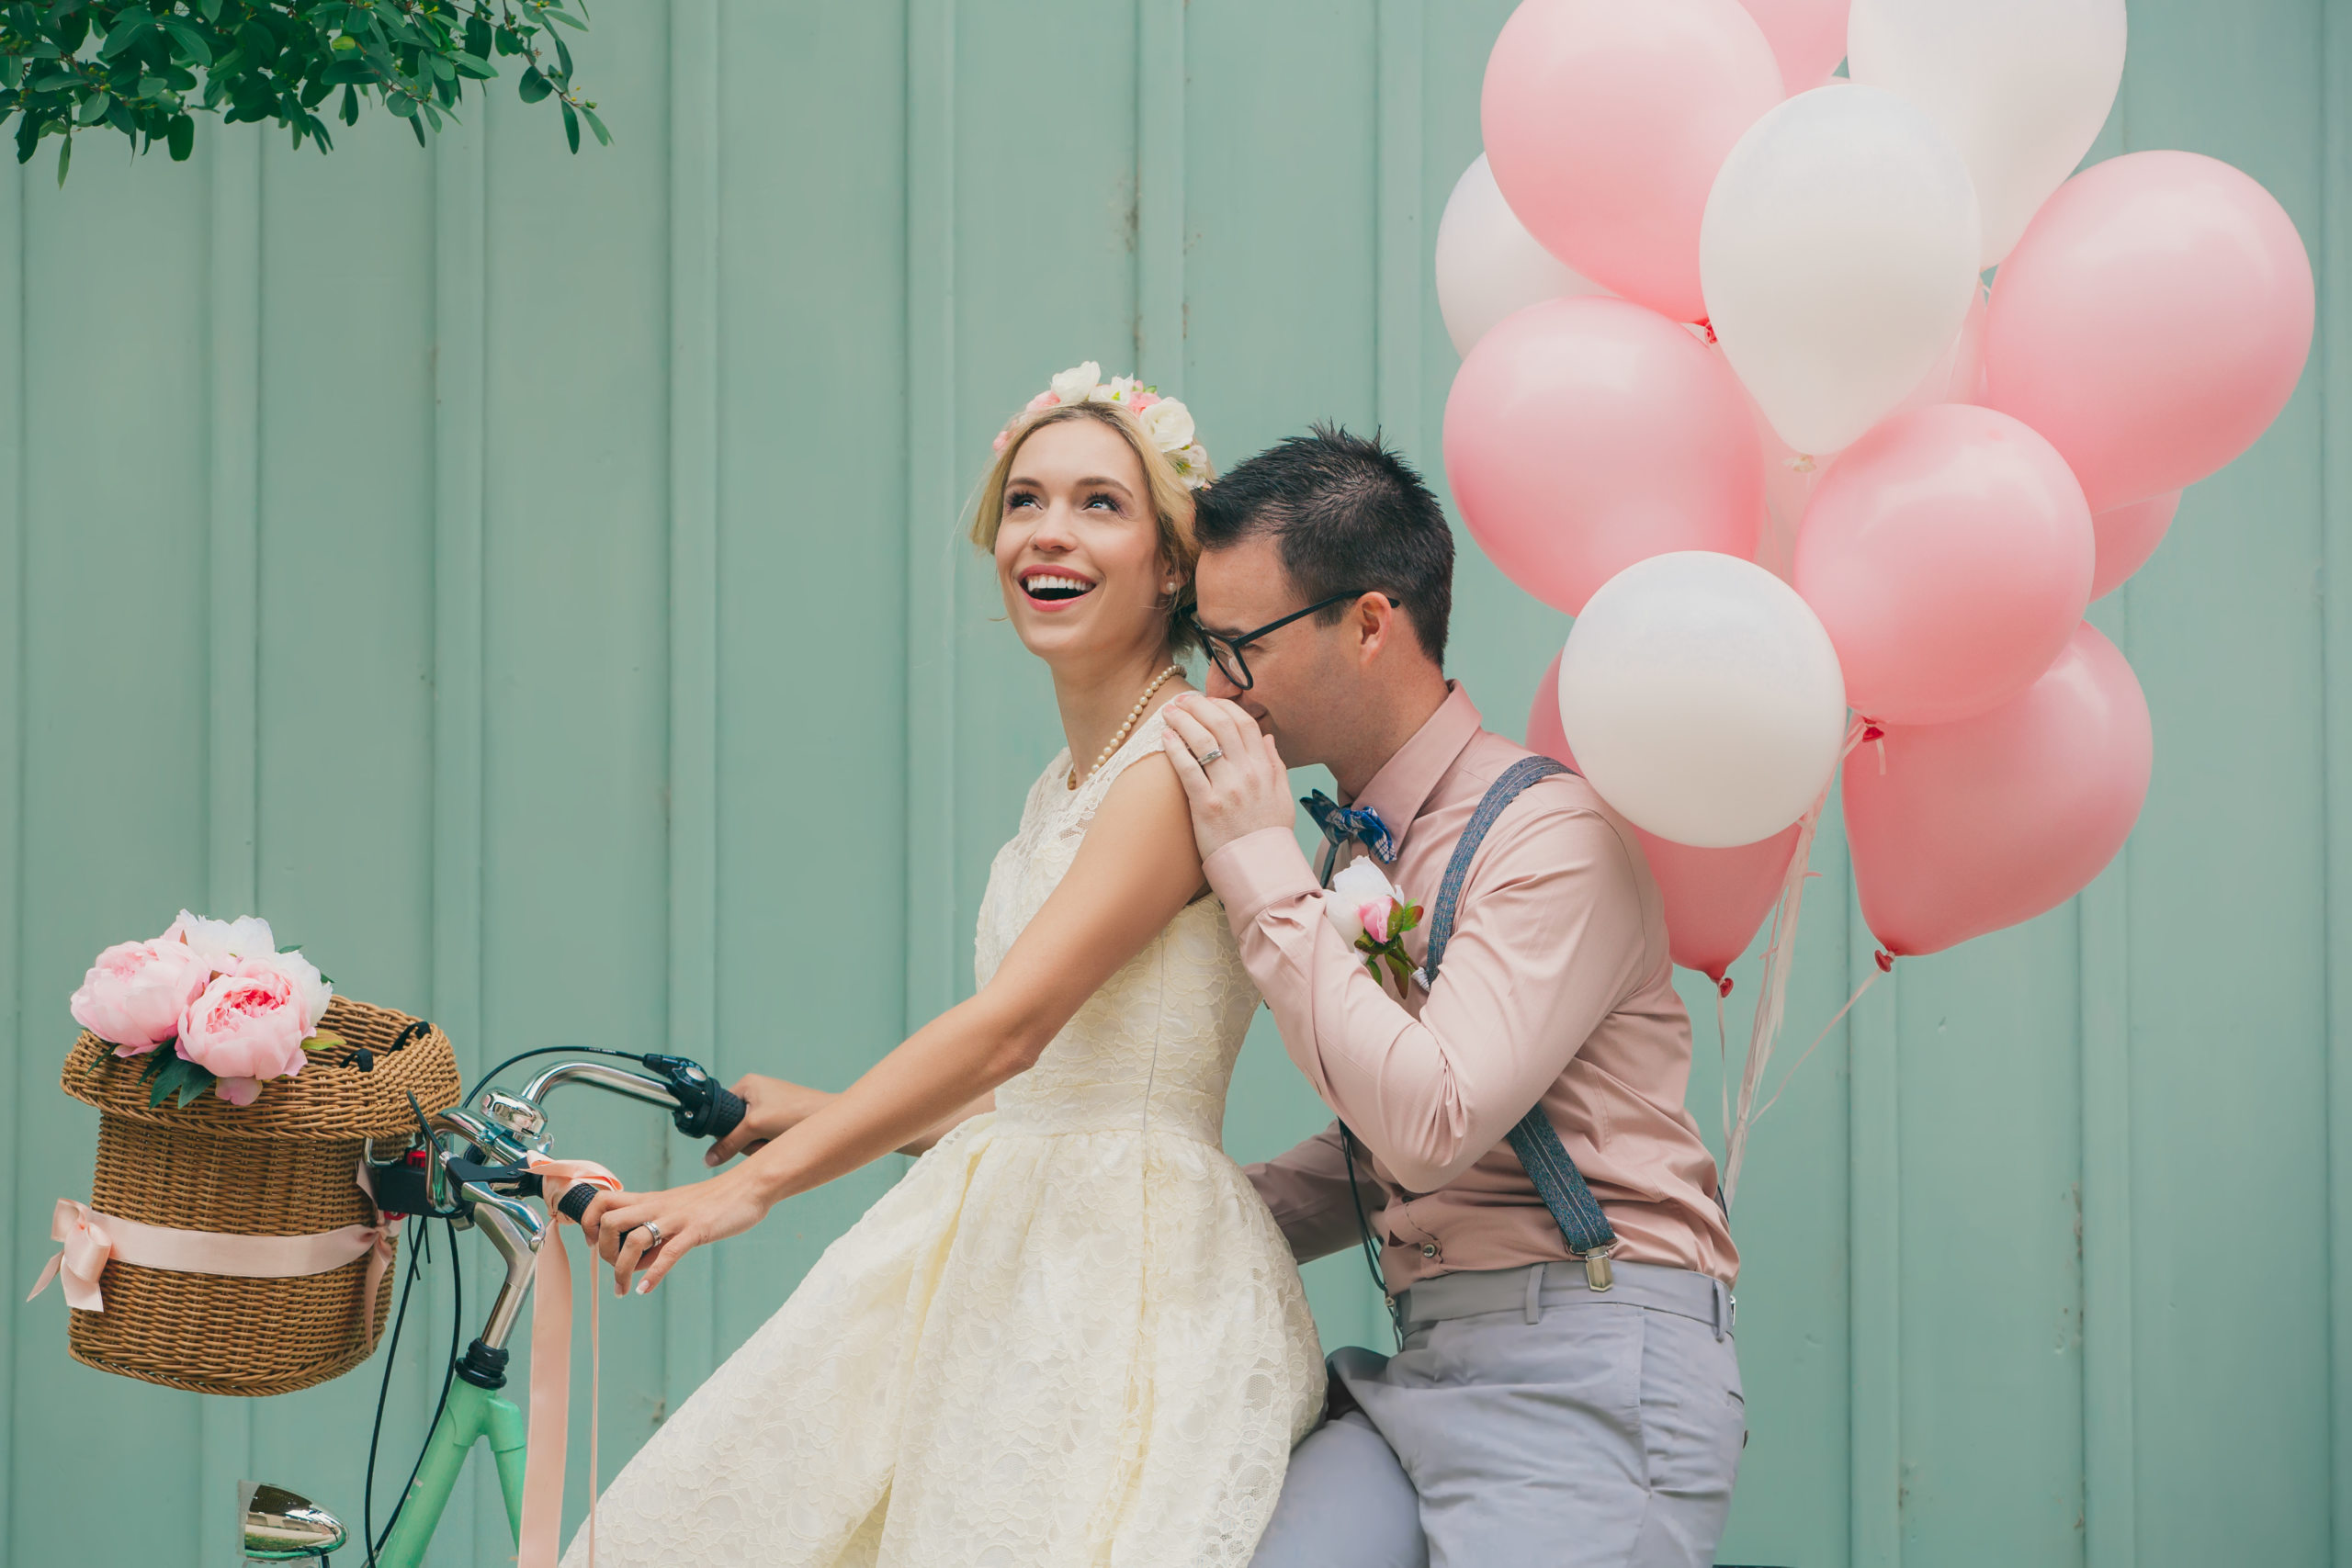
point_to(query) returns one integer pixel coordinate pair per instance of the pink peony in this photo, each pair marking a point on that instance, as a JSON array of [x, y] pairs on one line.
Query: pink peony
[[133, 996], [1046, 400], [247, 1025], [1143, 400], [310, 987]]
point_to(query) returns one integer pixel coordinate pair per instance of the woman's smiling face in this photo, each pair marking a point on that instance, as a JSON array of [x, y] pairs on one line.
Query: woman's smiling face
[[1078, 549]]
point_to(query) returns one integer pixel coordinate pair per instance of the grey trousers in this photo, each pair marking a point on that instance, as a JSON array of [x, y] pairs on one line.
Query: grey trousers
[[1527, 1419]]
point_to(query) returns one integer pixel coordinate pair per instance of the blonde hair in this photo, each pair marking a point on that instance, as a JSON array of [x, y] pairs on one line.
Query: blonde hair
[[1172, 501]]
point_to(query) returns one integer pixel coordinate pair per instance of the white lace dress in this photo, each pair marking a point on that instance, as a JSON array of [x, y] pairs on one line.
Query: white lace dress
[[1071, 1335]]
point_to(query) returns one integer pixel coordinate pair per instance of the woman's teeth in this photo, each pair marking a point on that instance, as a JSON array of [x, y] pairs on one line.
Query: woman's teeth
[[1054, 588]]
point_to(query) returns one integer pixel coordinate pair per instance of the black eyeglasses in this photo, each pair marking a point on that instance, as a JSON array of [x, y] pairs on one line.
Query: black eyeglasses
[[1225, 651]]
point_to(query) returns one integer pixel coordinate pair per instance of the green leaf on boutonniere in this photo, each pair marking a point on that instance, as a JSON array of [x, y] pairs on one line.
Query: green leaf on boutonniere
[[324, 1040]]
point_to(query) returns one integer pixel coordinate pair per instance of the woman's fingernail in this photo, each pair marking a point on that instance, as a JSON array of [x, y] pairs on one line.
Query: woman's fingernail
[[643, 1286]]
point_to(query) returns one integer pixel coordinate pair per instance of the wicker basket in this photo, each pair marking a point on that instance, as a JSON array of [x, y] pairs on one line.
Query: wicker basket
[[285, 1165]]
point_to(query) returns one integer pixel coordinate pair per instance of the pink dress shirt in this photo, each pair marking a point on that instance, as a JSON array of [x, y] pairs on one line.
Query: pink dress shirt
[[1556, 985]]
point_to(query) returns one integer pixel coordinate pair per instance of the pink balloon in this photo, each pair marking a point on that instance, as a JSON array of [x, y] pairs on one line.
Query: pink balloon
[[1949, 554], [2151, 322], [1605, 123], [2127, 537], [1715, 899], [1808, 38], [1981, 824], [1585, 434]]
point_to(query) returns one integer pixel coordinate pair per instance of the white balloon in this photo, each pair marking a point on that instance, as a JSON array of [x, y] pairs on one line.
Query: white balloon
[[1839, 256], [1488, 265], [1702, 699], [2020, 87]]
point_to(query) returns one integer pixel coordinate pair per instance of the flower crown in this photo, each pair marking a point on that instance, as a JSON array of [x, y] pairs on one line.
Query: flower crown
[[1165, 422]]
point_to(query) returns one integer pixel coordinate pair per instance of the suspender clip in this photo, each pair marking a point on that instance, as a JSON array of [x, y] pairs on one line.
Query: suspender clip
[[1598, 1276]]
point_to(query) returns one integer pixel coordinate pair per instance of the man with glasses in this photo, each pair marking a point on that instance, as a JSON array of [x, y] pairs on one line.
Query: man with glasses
[[1511, 1142]]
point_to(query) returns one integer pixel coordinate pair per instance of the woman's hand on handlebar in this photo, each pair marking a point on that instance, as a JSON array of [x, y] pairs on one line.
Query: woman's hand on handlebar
[[772, 1107], [685, 1217]]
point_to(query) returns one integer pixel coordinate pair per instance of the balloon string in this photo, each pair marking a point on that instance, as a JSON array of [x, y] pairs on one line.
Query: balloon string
[[1723, 1060], [1866, 984], [1779, 957]]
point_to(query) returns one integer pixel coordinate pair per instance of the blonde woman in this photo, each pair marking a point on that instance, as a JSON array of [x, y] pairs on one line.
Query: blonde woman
[[1072, 1333]]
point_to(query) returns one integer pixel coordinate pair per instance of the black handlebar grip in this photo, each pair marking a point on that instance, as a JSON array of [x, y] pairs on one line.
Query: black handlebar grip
[[726, 1112], [575, 1204]]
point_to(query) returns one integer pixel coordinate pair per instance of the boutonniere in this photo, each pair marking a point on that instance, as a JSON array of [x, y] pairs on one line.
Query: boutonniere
[[1372, 915]]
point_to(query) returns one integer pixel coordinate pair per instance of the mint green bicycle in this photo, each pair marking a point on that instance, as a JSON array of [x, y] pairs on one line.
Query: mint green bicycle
[[469, 1169]]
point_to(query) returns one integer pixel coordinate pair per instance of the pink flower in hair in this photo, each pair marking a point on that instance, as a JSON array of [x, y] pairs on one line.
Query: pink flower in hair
[[1044, 399], [1002, 438], [1143, 400]]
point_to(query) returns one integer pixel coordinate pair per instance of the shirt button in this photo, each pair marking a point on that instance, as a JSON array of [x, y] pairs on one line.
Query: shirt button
[[1429, 1249]]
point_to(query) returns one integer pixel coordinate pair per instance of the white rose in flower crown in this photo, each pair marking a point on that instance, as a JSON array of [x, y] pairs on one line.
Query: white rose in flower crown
[[1360, 901], [1077, 384], [1118, 390], [223, 941], [133, 996], [1169, 424]]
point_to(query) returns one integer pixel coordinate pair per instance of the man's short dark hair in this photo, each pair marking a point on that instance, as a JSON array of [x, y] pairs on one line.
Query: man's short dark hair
[[1344, 513]]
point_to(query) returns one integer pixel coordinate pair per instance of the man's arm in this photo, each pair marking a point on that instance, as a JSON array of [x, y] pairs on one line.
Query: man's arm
[[1550, 938], [1307, 1188]]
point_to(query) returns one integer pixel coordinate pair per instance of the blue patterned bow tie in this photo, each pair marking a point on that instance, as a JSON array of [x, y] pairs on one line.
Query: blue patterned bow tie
[[1344, 825]]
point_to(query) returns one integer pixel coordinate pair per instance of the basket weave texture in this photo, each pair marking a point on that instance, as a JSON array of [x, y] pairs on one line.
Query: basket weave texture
[[286, 1165]]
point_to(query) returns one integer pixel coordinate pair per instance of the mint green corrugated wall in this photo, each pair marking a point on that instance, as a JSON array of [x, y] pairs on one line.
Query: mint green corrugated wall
[[533, 582]]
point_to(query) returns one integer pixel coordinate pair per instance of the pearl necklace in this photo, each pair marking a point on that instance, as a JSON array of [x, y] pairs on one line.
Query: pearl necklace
[[1134, 714]]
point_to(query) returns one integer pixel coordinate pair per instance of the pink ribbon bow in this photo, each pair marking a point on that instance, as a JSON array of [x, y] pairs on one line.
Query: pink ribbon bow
[[83, 1258]]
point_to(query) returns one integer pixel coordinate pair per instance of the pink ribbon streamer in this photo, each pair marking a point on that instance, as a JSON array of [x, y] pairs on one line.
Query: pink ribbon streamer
[[88, 1240], [543, 1464]]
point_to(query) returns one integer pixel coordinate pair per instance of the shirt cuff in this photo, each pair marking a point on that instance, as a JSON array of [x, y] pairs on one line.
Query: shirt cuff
[[1256, 869]]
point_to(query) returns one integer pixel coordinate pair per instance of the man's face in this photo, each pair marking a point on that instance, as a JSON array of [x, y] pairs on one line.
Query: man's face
[[1295, 673]]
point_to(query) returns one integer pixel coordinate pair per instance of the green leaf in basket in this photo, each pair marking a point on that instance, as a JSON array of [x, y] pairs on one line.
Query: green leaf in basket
[[169, 1079], [324, 1040]]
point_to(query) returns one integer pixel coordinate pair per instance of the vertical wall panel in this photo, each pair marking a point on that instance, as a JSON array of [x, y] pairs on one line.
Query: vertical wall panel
[[2228, 1107], [116, 487], [18, 1242], [812, 624], [2334, 374]]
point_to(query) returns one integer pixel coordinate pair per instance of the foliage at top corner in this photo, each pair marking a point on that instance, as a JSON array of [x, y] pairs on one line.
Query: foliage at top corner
[[146, 68]]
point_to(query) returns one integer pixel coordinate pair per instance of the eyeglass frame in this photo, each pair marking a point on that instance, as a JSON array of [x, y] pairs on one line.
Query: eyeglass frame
[[1245, 680]]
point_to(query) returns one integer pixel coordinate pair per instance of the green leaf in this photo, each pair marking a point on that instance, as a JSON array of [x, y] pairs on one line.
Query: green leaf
[[182, 137], [323, 1040], [531, 86], [190, 40], [571, 128], [127, 28], [211, 9], [64, 158], [474, 65], [604, 137], [95, 107], [557, 14]]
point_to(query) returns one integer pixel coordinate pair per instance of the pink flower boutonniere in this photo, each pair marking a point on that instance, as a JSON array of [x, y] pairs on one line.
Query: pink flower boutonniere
[[1372, 916]]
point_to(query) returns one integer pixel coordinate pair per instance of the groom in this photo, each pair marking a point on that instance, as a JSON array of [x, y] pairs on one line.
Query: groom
[[1567, 1390]]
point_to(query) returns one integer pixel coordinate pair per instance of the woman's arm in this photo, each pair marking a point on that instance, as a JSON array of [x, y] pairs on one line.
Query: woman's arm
[[772, 1106], [1134, 873]]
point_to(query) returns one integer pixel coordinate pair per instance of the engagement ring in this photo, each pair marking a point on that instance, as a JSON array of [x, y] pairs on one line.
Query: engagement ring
[[1210, 755]]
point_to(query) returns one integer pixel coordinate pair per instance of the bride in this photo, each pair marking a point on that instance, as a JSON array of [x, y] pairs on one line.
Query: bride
[[1072, 1333]]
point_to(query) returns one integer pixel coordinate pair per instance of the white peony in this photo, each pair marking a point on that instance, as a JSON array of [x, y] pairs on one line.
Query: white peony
[[223, 941], [1169, 424], [1360, 896], [1077, 384]]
